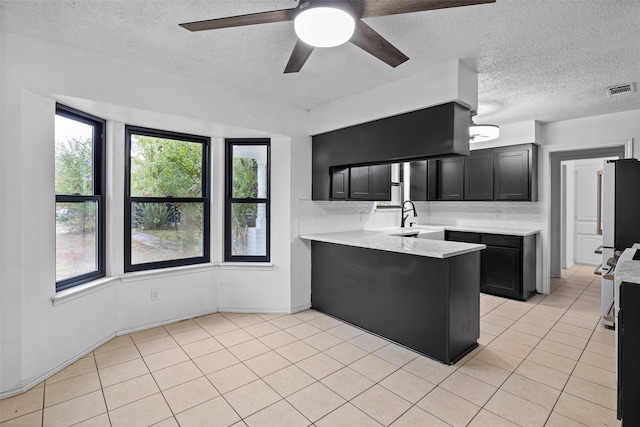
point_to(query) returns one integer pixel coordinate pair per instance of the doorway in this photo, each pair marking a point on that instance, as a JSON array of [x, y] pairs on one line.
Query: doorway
[[555, 220], [579, 237]]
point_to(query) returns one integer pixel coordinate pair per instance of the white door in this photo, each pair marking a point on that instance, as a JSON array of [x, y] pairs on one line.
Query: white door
[[586, 239]]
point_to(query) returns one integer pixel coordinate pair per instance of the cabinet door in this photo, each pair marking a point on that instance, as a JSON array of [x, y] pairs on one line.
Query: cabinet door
[[478, 176], [511, 175], [359, 183], [451, 179], [340, 183], [418, 180], [380, 176], [501, 271], [370, 182]]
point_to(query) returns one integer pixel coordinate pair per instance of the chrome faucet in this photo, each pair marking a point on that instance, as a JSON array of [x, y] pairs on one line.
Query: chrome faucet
[[412, 208]]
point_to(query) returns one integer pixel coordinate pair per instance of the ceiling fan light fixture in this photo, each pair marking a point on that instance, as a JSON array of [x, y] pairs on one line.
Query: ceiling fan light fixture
[[482, 133], [324, 26]]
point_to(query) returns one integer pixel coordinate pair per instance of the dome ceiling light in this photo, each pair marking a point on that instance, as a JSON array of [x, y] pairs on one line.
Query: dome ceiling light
[[482, 133], [321, 26]]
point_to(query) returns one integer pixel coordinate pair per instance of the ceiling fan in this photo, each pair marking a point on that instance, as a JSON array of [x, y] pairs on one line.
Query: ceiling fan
[[328, 23]]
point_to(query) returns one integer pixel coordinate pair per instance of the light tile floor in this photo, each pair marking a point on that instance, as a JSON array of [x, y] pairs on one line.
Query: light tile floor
[[547, 361]]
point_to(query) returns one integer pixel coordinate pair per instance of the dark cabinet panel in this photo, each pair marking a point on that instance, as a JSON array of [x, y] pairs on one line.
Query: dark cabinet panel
[[450, 179], [628, 330], [340, 183], [359, 183], [380, 176], [432, 179], [507, 265], [437, 131], [418, 180], [501, 271], [502, 173], [370, 182], [478, 176], [512, 175], [462, 236]]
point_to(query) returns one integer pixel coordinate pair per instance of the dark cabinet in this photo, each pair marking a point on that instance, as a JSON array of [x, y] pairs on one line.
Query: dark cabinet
[[340, 183], [450, 179], [370, 183], [418, 180], [502, 173], [512, 174], [380, 176], [628, 330], [423, 182], [478, 176], [360, 183], [507, 265]]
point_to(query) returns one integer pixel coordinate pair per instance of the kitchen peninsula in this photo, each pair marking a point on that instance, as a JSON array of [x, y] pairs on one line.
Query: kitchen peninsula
[[421, 293]]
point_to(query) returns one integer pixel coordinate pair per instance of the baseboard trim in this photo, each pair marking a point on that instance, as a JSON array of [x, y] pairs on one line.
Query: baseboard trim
[[132, 329], [32, 382], [253, 310]]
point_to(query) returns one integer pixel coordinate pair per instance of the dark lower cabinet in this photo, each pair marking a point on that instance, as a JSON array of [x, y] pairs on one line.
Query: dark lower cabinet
[[501, 272], [507, 265], [628, 330], [431, 305]]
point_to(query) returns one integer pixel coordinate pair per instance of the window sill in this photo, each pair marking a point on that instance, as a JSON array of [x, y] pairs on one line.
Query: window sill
[[166, 272], [82, 290], [245, 266], [96, 285]]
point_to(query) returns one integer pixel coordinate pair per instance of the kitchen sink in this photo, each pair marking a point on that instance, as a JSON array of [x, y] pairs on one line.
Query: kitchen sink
[[436, 234]]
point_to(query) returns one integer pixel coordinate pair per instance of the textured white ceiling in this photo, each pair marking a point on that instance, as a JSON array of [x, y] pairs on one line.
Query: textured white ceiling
[[543, 60]]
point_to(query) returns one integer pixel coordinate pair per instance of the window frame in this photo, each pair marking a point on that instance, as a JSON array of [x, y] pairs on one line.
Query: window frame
[[230, 200], [98, 196], [205, 199]]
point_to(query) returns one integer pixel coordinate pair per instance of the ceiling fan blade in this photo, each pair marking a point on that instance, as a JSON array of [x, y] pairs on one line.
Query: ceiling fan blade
[[240, 20], [371, 8], [299, 56], [370, 41]]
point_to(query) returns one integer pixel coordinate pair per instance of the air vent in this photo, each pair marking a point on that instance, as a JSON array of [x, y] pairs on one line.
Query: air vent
[[621, 89]]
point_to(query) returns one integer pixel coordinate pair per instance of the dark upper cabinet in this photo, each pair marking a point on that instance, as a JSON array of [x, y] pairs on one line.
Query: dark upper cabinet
[[380, 176], [340, 183], [361, 183], [423, 180], [434, 132], [450, 179], [418, 180], [502, 173], [478, 175], [512, 174]]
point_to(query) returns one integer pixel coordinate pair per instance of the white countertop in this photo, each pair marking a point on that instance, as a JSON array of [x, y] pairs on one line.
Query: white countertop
[[383, 240], [628, 270]]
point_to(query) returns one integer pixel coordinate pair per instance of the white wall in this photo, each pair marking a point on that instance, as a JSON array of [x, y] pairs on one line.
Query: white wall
[[37, 337], [441, 83]]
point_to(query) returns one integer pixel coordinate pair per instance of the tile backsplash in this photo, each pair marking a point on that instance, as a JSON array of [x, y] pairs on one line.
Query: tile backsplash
[[490, 214], [334, 216]]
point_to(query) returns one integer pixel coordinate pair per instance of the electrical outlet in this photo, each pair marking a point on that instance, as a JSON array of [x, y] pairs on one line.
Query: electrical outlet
[[155, 294]]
